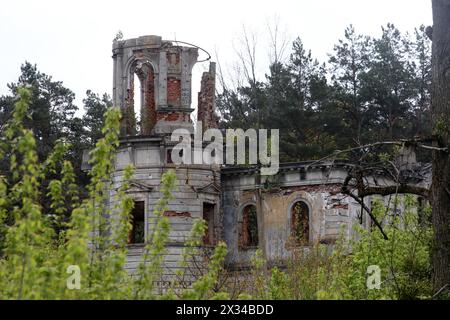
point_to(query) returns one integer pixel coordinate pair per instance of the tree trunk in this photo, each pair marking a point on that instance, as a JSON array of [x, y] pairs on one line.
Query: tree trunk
[[440, 112]]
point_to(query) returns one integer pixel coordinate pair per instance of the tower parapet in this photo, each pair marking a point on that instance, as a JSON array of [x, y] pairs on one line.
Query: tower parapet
[[164, 70]]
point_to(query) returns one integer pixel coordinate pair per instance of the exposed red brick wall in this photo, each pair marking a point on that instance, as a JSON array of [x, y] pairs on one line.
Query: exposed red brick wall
[[243, 233], [208, 215], [248, 233], [149, 120], [128, 121], [206, 99], [173, 116], [300, 223], [171, 213], [333, 189], [173, 91]]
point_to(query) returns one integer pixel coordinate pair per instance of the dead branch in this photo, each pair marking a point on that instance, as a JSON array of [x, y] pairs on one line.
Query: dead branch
[[346, 190], [380, 143]]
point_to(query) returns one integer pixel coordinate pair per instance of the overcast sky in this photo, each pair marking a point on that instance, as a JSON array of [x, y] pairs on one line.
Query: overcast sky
[[71, 40]]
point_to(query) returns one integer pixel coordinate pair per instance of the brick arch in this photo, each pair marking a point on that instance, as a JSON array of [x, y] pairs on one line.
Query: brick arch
[[145, 72], [299, 222], [132, 61], [248, 226]]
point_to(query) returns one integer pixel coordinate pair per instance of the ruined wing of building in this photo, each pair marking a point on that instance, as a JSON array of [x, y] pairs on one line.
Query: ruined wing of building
[[295, 208]]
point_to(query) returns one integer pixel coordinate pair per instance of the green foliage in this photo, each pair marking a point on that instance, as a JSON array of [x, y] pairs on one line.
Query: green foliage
[[379, 89], [152, 258], [95, 107], [36, 261], [202, 288], [371, 89], [319, 272], [404, 259], [51, 115]]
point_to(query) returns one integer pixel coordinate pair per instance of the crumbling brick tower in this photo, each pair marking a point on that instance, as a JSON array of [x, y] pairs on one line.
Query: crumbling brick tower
[[163, 71]]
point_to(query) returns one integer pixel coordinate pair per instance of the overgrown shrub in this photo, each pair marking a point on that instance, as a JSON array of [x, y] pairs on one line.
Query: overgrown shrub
[[41, 250], [341, 272], [39, 247]]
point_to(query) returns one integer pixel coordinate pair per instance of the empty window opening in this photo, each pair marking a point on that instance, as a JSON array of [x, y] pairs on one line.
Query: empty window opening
[[138, 101], [249, 227], [300, 223], [137, 232], [208, 216], [169, 156], [141, 116], [169, 159], [302, 174]]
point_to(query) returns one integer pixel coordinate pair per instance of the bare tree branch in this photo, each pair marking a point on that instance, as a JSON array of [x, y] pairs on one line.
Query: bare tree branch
[[346, 191], [278, 46]]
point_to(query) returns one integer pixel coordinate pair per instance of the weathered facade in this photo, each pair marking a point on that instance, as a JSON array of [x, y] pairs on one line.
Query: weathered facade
[[316, 188], [295, 208], [164, 71]]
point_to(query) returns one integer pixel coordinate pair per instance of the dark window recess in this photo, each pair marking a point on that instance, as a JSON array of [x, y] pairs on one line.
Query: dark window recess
[[302, 174], [249, 228], [137, 232], [300, 223], [208, 216], [169, 155]]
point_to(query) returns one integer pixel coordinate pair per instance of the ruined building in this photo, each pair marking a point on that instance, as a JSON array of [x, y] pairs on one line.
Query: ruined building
[[299, 206]]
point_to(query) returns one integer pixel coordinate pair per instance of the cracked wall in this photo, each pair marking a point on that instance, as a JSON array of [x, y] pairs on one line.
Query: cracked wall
[[330, 212], [164, 70], [206, 99]]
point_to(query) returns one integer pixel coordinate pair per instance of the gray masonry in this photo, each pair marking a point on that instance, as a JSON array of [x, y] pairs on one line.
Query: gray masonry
[[299, 206]]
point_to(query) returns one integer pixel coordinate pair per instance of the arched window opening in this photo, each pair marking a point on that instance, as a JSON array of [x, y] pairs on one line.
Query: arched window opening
[[300, 223], [141, 101], [249, 227]]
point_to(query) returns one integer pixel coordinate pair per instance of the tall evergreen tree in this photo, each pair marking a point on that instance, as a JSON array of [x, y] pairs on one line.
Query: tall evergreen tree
[[388, 85], [349, 64], [93, 122], [51, 111], [51, 117], [420, 57]]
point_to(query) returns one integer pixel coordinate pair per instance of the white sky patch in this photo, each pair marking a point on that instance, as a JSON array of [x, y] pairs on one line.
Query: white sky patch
[[71, 41]]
